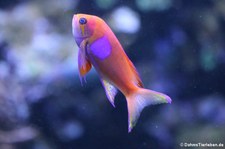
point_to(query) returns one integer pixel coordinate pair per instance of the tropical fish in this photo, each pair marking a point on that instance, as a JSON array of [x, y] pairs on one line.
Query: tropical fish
[[99, 47]]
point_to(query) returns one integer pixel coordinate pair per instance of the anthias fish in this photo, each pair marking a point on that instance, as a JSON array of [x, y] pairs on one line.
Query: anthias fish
[[99, 47]]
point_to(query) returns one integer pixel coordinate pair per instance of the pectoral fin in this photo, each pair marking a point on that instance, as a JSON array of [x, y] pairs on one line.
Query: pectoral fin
[[110, 90], [84, 64]]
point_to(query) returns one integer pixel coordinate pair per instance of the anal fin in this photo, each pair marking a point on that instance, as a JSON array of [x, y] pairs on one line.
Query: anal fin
[[110, 90]]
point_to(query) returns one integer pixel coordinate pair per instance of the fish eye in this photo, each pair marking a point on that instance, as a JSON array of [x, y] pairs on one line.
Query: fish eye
[[83, 21]]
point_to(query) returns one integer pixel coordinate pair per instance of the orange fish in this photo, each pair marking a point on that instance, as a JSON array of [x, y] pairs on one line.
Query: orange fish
[[99, 47]]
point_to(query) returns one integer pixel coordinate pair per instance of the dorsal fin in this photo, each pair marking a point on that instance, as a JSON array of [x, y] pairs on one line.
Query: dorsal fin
[[136, 75]]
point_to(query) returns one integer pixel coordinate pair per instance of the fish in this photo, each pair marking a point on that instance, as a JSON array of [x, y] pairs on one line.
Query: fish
[[100, 48]]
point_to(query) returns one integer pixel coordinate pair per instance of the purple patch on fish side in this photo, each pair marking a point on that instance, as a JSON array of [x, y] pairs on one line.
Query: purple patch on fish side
[[101, 48]]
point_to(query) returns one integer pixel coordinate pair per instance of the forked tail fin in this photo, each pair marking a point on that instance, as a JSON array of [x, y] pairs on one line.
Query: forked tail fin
[[137, 101]]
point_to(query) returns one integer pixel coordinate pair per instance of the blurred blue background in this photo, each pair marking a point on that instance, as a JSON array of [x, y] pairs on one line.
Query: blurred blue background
[[178, 47]]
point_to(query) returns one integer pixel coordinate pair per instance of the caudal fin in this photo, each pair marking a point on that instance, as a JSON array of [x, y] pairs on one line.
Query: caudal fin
[[137, 101]]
